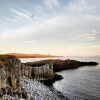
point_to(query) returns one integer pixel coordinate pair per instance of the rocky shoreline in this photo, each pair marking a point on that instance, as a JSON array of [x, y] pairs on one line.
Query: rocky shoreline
[[59, 65], [20, 81], [17, 80], [51, 81], [34, 90]]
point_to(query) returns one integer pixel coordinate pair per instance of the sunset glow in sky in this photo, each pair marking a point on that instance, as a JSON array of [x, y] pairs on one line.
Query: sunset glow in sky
[[57, 27]]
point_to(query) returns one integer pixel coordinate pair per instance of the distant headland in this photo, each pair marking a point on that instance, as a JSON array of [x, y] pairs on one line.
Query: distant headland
[[22, 55]]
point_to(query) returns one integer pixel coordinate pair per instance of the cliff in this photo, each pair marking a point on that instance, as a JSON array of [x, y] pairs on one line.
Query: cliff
[[11, 70], [59, 65]]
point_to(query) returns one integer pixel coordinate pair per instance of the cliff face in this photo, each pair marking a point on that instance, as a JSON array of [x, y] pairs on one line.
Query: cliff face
[[44, 72], [11, 69], [9, 72], [59, 65]]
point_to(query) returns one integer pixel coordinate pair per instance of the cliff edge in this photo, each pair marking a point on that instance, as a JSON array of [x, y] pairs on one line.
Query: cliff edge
[[59, 65], [12, 71]]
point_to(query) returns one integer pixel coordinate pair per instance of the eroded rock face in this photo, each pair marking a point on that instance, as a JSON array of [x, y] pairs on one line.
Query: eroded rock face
[[11, 69], [9, 73], [42, 72], [2, 77], [59, 65]]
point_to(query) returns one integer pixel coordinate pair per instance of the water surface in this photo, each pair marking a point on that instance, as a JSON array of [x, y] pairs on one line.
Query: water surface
[[78, 84], [82, 83]]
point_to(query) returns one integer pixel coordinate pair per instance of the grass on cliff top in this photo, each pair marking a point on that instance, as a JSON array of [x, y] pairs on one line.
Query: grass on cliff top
[[2, 62], [3, 59]]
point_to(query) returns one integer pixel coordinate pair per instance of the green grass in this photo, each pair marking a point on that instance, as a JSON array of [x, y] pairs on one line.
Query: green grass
[[3, 59]]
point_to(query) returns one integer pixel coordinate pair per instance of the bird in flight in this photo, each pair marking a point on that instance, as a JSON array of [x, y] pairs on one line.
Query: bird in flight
[[32, 15]]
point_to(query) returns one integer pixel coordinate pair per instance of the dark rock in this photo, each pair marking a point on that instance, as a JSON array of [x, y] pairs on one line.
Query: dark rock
[[11, 70], [51, 81], [59, 65]]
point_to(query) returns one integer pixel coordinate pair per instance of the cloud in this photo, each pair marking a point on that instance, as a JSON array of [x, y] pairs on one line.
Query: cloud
[[12, 20], [90, 38], [85, 37], [73, 24], [95, 46], [81, 7], [50, 3], [25, 11], [22, 14], [29, 41], [61, 27]]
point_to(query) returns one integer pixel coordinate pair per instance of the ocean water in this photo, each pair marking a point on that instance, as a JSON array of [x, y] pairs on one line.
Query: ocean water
[[78, 84]]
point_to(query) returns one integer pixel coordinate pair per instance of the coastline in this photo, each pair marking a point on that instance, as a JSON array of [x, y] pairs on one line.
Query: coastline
[[16, 80], [59, 65], [12, 70]]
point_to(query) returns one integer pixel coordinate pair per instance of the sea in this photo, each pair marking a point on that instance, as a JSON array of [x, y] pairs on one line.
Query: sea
[[82, 83]]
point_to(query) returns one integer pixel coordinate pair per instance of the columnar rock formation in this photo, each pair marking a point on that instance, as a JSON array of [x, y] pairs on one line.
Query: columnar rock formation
[[43, 72], [59, 65], [11, 69]]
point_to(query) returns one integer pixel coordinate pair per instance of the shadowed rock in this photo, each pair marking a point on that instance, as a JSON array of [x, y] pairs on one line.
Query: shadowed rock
[[11, 73], [59, 65]]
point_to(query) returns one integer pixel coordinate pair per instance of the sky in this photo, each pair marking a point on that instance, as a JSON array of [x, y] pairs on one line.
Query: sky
[[58, 27]]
